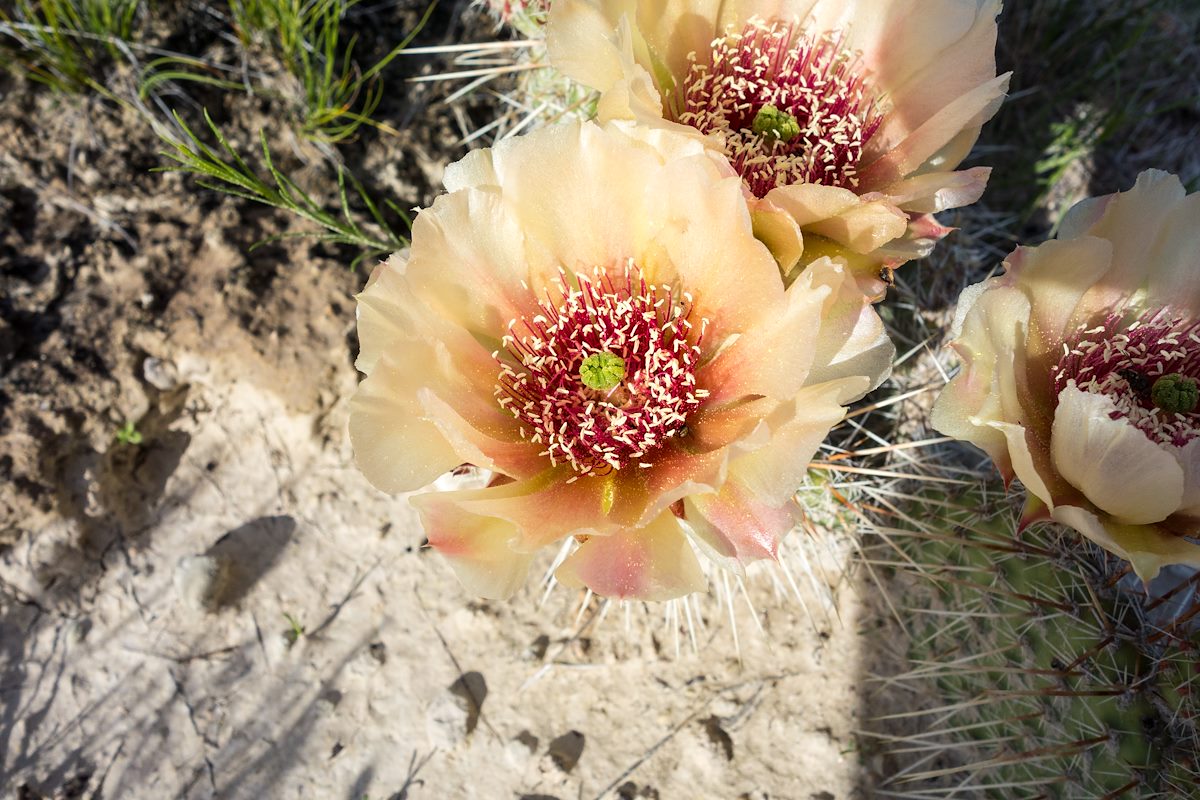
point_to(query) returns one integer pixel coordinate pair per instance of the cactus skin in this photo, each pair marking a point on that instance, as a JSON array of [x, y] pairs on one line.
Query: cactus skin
[[533, 93], [1048, 670]]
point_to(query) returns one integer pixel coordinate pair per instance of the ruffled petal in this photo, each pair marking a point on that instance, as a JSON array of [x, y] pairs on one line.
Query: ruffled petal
[[580, 41], [475, 231], [860, 224], [651, 563], [395, 445], [388, 314], [1145, 547], [1113, 463], [477, 548], [736, 519], [990, 337], [940, 142], [1189, 462], [772, 473], [924, 55], [1133, 222], [932, 192], [1171, 263], [458, 374]]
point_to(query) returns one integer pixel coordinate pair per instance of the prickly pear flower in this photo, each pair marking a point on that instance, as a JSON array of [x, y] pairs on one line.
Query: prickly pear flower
[[846, 120], [588, 316], [1080, 372]]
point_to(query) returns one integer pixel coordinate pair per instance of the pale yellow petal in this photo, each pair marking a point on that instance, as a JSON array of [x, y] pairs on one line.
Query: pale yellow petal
[[773, 360], [1189, 462], [387, 312], [1113, 463], [1133, 222], [1147, 548], [992, 321], [1172, 261], [1030, 465], [580, 41], [925, 53], [852, 340], [839, 214], [773, 473], [397, 448], [932, 192], [474, 231], [928, 146]]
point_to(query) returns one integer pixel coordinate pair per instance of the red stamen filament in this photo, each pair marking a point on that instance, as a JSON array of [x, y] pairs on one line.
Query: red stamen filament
[[598, 431]]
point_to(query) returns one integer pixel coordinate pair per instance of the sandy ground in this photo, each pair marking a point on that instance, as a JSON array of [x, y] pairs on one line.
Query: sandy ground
[[167, 666]]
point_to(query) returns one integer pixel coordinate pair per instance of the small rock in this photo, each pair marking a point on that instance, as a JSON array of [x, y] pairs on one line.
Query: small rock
[[528, 739], [8, 342], [200, 581], [160, 374], [566, 750], [537, 649], [446, 720], [328, 701], [78, 629]]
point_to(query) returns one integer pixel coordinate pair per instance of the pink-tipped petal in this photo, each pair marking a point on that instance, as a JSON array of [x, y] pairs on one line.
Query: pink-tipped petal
[[544, 508], [773, 472], [753, 527], [941, 140], [651, 563], [476, 547]]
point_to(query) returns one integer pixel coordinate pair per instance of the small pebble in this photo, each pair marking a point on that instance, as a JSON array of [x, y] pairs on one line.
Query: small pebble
[[200, 580], [160, 374]]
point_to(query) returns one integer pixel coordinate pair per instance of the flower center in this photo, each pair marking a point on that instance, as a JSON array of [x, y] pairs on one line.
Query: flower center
[[1150, 368], [789, 108], [604, 375]]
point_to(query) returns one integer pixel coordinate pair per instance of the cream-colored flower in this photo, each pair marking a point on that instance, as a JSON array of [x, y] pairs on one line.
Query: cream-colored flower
[[845, 118], [1080, 372], [588, 315]]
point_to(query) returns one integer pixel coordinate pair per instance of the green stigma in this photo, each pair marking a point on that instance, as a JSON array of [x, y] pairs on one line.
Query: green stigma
[[1175, 394], [770, 121], [602, 371]]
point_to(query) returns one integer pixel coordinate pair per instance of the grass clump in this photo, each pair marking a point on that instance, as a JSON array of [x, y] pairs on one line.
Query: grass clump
[[336, 95], [64, 43], [222, 168]]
